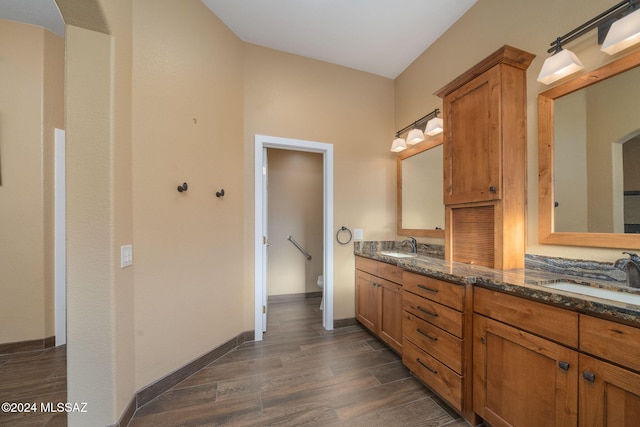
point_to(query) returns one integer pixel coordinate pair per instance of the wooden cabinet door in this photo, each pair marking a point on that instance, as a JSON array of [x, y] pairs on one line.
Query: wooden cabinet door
[[367, 301], [472, 140], [522, 380], [391, 313], [609, 395]]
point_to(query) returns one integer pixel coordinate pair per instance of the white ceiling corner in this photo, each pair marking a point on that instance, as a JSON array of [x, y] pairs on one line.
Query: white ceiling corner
[[382, 37]]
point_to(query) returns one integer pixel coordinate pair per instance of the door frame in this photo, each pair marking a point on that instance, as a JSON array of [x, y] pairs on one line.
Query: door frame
[[262, 142], [60, 238]]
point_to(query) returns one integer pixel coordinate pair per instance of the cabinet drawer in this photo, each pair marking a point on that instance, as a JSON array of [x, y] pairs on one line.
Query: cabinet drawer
[[433, 340], [610, 340], [554, 323], [390, 272], [436, 290], [367, 264], [437, 376], [437, 314]]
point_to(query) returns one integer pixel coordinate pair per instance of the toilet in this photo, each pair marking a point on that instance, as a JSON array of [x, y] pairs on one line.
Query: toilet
[[321, 285]]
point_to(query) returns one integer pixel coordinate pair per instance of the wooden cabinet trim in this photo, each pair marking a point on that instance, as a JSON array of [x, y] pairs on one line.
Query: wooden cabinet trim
[[506, 55]]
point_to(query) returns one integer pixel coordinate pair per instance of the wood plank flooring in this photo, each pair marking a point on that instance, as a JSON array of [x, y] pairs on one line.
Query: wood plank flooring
[[34, 377], [301, 375]]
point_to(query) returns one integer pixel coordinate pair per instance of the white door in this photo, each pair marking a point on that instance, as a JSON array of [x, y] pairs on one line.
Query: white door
[[265, 240]]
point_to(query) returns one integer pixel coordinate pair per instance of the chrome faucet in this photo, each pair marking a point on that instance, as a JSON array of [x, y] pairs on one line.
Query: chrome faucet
[[632, 267], [414, 244]]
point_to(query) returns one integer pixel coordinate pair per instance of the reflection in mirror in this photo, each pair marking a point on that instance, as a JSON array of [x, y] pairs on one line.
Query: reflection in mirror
[[420, 209], [593, 133], [589, 133]]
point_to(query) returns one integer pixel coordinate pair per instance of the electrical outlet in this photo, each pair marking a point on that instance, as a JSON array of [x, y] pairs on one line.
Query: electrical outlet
[[358, 234], [126, 256]]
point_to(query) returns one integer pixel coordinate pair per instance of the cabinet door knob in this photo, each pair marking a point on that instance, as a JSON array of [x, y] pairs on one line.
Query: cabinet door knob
[[589, 376], [563, 365], [493, 189]]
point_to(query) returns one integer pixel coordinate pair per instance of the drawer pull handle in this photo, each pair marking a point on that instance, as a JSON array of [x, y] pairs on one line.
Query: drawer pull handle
[[421, 332], [589, 376], [435, 291], [433, 371], [425, 311], [563, 365]]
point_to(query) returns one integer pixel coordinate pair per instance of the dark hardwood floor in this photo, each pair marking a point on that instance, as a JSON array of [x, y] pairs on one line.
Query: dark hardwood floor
[[34, 377], [299, 375]]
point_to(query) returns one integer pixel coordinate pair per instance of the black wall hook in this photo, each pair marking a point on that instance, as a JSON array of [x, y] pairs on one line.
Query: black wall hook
[[182, 187], [220, 193]]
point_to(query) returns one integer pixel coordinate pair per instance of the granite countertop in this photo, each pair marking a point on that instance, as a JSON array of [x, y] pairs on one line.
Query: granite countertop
[[526, 282]]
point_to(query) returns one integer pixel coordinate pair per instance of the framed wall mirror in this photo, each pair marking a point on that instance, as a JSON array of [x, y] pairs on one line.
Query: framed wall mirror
[[420, 208], [588, 157]]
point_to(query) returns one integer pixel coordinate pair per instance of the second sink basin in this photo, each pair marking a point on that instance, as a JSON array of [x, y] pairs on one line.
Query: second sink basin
[[397, 254], [604, 293]]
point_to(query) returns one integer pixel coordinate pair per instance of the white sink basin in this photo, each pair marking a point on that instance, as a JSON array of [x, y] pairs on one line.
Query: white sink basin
[[612, 295], [397, 254]]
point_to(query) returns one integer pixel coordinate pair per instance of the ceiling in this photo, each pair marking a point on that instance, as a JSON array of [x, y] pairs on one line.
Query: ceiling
[[382, 37]]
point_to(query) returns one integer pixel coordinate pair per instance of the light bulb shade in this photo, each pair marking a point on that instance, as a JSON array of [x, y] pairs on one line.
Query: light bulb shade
[[624, 33], [398, 145], [434, 126], [561, 64], [415, 136]]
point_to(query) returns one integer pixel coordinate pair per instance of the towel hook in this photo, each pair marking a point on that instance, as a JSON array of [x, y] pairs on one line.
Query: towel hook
[[220, 193], [182, 187]]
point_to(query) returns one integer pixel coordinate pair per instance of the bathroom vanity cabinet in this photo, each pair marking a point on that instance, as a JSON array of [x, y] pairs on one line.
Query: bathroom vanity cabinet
[[379, 300], [609, 388], [436, 337], [525, 361], [484, 113], [534, 363]]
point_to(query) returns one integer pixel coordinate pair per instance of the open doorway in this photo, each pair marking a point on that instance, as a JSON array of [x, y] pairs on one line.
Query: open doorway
[[262, 143], [295, 220]]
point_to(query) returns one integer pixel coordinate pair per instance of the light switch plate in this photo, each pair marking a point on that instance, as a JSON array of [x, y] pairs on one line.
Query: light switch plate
[[126, 256], [358, 234]]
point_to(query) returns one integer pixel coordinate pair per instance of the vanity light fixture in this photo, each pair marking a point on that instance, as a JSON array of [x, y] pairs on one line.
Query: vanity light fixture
[[398, 145], [434, 126], [563, 63], [416, 135], [624, 32]]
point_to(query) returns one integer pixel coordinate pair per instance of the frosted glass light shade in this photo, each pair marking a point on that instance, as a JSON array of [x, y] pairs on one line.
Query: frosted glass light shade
[[398, 145], [561, 64], [415, 136], [434, 126], [624, 33]]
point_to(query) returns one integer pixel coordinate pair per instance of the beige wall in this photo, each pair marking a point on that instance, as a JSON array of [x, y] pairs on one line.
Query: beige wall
[[295, 205], [31, 89], [489, 24], [187, 127], [294, 97]]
